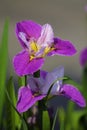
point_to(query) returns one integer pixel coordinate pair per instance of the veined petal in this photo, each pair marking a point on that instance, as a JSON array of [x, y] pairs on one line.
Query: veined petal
[[83, 57], [30, 29], [74, 94], [51, 77], [24, 66], [26, 99], [37, 83], [47, 36], [62, 47]]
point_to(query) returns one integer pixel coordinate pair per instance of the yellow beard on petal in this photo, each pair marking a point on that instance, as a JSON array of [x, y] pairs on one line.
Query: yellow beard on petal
[[47, 50], [34, 48]]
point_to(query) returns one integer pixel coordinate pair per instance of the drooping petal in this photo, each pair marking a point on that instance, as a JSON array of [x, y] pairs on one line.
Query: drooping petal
[[62, 47], [24, 66], [51, 77], [30, 29], [47, 35], [26, 99], [83, 57], [74, 94]]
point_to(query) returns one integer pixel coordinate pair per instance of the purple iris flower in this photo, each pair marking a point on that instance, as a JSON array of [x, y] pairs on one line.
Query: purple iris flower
[[38, 89], [83, 57], [37, 42]]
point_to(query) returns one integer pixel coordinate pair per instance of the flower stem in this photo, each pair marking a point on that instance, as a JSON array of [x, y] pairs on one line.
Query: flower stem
[[40, 115], [25, 80]]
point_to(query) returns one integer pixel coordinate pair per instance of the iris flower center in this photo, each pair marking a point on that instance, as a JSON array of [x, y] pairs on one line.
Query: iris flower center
[[38, 51]]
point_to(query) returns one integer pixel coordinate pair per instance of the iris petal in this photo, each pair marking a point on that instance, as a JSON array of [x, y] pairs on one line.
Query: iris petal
[[24, 66], [62, 47], [47, 36], [30, 28], [74, 94], [26, 99], [51, 77]]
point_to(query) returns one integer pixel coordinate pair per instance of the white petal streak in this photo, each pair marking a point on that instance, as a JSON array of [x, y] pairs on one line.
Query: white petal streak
[[22, 36], [47, 35]]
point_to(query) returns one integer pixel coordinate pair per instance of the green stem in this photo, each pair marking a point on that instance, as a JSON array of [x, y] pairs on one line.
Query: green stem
[[40, 115], [25, 80], [40, 104]]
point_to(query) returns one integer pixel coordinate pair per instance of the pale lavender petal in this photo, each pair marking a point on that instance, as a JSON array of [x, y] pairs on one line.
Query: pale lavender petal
[[47, 35], [74, 94], [33, 83], [63, 47], [31, 29], [24, 66], [50, 79], [83, 57], [26, 99]]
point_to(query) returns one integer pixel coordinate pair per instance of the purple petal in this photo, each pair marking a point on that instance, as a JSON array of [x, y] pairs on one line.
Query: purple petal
[[62, 47], [26, 99], [43, 74], [24, 66], [74, 94], [83, 57], [30, 29]]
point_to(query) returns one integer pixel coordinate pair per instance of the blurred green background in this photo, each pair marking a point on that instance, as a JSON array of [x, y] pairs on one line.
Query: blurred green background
[[67, 17]]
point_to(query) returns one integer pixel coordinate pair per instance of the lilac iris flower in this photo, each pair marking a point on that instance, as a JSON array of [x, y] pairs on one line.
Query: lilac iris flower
[[37, 42], [83, 57], [38, 89]]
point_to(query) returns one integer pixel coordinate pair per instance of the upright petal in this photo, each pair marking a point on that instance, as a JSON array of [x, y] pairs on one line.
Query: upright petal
[[83, 57], [31, 30], [47, 36], [26, 99], [51, 77], [62, 47], [24, 66], [74, 94]]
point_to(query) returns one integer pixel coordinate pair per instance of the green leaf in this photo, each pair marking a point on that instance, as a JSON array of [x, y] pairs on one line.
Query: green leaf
[[61, 117], [13, 120], [75, 118], [46, 121], [18, 116], [21, 81], [54, 121], [68, 116], [3, 66], [70, 81]]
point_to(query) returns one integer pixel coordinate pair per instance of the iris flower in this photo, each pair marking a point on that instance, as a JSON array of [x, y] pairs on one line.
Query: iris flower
[[83, 57], [37, 42], [38, 89]]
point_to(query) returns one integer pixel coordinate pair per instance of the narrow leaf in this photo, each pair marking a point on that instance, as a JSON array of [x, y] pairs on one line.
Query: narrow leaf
[[54, 121], [13, 119], [46, 121], [3, 66], [61, 117], [21, 81]]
